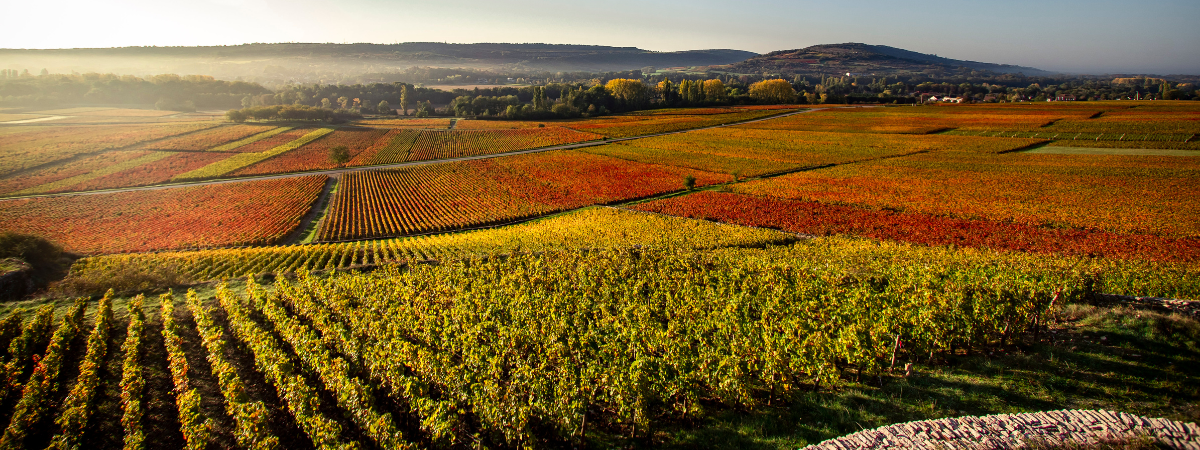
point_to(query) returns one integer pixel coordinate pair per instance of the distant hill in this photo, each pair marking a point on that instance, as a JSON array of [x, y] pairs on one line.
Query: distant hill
[[257, 60], [864, 59]]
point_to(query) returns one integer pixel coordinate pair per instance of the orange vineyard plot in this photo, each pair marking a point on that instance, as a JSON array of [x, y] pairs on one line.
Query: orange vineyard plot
[[208, 139], [824, 219], [472, 193], [752, 152], [247, 213], [652, 122], [453, 144], [155, 172], [31, 146], [1121, 194], [315, 155], [57, 172], [920, 119], [1134, 121], [481, 124], [263, 145], [436, 124]]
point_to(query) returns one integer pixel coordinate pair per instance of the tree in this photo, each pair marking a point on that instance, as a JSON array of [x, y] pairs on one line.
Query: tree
[[339, 154], [775, 91], [714, 91], [629, 93], [689, 182], [405, 93], [325, 103], [343, 102], [384, 107], [666, 90]]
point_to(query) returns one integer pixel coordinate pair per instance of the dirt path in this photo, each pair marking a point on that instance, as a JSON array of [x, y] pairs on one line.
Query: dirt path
[[38, 119], [333, 172], [1012, 431]]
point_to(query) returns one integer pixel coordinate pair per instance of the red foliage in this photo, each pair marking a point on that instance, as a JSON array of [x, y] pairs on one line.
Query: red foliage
[[823, 219], [473, 193], [249, 213]]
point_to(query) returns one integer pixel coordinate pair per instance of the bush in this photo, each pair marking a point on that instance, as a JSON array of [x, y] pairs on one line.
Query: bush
[[47, 259], [125, 279]]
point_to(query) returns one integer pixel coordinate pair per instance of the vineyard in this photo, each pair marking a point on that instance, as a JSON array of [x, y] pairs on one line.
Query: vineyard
[[736, 276], [1120, 194], [412, 145], [32, 146], [602, 227], [824, 219], [315, 155], [752, 152], [547, 349], [923, 120], [452, 196], [211, 138], [234, 163], [247, 213], [433, 124], [662, 121]]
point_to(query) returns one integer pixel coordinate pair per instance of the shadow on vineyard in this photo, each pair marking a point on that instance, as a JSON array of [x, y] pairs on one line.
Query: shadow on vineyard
[[1118, 358]]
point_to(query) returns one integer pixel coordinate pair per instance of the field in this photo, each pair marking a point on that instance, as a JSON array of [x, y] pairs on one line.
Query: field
[[604, 227], [662, 121], [1121, 194], [919, 120], [607, 346], [465, 194], [208, 139], [824, 219], [248, 213], [752, 152], [434, 124], [315, 155], [31, 146], [761, 285]]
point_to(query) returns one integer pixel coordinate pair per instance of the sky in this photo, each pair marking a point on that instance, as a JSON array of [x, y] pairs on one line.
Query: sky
[[1074, 36]]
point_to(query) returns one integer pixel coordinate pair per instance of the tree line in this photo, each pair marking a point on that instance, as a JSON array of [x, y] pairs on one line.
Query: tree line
[[168, 91]]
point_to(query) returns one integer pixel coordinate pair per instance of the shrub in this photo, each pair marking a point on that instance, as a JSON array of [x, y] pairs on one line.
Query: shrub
[[46, 258], [125, 279]]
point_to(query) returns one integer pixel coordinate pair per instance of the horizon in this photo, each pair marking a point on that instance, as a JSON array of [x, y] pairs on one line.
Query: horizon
[[1067, 36]]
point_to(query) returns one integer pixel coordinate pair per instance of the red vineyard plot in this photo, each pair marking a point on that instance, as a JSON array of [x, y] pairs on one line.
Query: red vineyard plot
[[824, 219], [248, 213]]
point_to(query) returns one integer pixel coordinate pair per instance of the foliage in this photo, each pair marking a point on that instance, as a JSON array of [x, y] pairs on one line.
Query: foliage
[[196, 428], [600, 227], [465, 194], [822, 219], [197, 216], [77, 407], [204, 91], [46, 257], [42, 384], [291, 113], [773, 91], [1120, 194], [34, 146], [250, 416], [232, 164]]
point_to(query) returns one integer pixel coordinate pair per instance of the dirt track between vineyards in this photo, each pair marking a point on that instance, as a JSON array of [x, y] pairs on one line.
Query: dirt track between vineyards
[[1053, 429], [403, 164]]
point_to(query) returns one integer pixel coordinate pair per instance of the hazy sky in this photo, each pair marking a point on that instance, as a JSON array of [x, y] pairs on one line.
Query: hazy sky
[[1088, 36]]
